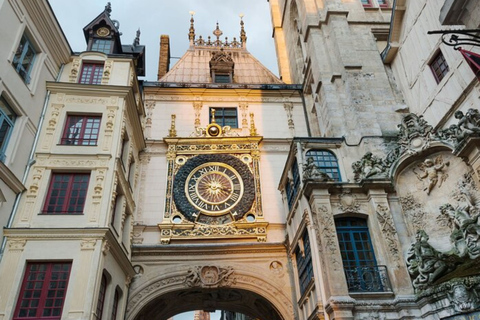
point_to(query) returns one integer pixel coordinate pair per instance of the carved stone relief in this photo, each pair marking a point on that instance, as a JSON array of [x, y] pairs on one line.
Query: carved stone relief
[[388, 229], [348, 202], [210, 277], [328, 232], [432, 172]]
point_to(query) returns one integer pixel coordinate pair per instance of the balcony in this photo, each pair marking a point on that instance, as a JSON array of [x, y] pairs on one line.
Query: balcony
[[368, 279]]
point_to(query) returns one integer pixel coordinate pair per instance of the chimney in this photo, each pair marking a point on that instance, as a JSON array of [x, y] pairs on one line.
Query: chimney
[[164, 58]]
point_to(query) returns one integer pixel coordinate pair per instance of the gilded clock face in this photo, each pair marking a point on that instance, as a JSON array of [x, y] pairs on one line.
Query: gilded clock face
[[103, 32], [214, 189]]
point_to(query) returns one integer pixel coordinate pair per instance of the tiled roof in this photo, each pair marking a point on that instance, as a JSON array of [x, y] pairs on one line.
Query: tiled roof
[[194, 67]]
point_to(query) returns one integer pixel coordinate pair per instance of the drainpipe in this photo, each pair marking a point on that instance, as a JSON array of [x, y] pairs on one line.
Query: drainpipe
[[31, 162]]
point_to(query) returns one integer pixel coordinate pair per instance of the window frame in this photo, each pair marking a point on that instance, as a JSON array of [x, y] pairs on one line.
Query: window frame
[[10, 122], [107, 40], [68, 194], [321, 161], [102, 291], [293, 185], [84, 127], [44, 291], [94, 77], [435, 65], [19, 58], [303, 258], [220, 116], [385, 4], [367, 5], [116, 299]]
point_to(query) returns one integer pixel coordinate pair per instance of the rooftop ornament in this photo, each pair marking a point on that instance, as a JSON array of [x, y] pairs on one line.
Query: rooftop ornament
[[201, 42]]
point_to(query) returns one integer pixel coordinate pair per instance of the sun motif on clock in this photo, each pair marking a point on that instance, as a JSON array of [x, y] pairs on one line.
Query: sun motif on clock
[[214, 189]]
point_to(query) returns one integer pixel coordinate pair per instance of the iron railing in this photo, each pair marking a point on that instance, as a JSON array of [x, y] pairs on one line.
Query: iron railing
[[368, 279]]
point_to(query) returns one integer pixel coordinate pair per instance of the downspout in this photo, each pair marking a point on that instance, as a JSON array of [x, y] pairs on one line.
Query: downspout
[[305, 112], [388, 47], [30, 163]]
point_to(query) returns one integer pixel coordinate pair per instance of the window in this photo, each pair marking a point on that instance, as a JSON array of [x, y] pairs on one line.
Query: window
[[367, 3], [7, 119], [222, 78], [383, 3], [360, 265], [43, 291], [439, 66], [101, 298], [81, 130], [67, 193], [115, 305], [293, 185], [24, 58], [91, 73], [326, 162], [304, 262], [102, 45], [225, 117]]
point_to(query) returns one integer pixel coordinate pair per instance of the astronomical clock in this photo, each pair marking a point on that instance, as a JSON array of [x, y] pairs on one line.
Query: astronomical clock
[[213, 187]]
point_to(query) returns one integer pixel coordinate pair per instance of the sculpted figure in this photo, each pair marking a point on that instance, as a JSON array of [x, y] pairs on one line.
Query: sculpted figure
[[311, 171], [368, 166], [470, 122], [424, 262], [433, 172]]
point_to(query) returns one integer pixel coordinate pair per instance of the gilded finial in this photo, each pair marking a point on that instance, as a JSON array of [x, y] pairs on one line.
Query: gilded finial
[[217, 32], [243, 34], [191, 31], [253, 130], [213, 116], [172, 132]]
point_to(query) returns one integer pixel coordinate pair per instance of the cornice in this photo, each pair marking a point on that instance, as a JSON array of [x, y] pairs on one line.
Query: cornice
[[103, 90], [207, 249], [35, 234]]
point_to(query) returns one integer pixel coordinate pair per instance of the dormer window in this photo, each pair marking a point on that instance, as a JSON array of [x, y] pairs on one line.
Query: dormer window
[[221, 67]]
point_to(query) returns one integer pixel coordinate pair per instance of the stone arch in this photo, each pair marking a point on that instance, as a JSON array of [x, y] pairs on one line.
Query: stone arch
[[408, 158], [188, 282]]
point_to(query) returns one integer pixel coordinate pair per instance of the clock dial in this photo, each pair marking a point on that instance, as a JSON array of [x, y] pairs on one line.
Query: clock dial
[[214, 189]]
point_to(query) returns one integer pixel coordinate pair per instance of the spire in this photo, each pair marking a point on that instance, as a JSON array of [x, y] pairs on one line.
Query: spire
[[108, 8], [191, 32], [217, 32], [243, 34]]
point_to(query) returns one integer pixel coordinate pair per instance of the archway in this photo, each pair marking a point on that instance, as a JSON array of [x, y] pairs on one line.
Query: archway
[[208, 288], [237, 300]]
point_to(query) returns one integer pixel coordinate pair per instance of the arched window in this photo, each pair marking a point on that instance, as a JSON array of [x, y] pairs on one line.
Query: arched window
[[325, 162], [116, 298], [360, 265], [101, 297]]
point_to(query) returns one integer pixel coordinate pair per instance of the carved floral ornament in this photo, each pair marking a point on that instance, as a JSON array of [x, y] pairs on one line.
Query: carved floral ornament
[[414, 136]]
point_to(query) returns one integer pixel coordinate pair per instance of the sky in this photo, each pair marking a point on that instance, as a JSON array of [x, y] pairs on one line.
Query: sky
[[171, 17]]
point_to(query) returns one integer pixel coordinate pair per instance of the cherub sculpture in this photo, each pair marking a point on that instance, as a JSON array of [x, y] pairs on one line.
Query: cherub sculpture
[[432, 171]]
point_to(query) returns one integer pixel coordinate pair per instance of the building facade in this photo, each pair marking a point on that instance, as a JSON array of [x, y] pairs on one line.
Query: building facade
[[29, 58], [346, 188]]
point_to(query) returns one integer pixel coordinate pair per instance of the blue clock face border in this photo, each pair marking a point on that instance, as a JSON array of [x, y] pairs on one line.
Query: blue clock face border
[[239, 185]]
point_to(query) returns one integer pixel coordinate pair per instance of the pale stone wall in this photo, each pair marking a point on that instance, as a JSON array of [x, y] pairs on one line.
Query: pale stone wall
[[27, 100], [423, 95]]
